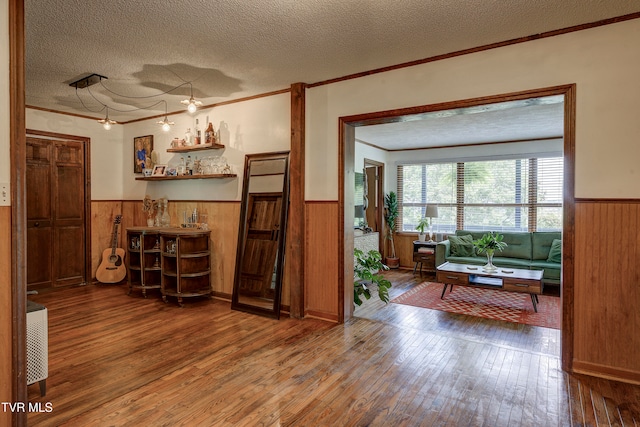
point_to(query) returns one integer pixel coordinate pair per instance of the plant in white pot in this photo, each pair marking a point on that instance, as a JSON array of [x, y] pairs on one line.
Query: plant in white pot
[[489, 244], [422, 225], [366, 270], [390, 215]]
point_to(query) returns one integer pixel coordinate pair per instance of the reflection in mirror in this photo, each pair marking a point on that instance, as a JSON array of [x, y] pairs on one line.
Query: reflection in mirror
[[261, 238]]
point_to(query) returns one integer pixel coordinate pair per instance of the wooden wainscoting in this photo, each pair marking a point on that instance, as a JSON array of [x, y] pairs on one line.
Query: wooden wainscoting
[[321, 260], [607, 290], [5, 312], [404, 248], [103, 212]]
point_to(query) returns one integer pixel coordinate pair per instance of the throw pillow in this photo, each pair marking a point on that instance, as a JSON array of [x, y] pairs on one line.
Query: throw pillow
[[555, 252], [462, 245]]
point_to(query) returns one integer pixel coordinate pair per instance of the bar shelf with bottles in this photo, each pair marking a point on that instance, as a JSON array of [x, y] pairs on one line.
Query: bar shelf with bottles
[[192, 142]]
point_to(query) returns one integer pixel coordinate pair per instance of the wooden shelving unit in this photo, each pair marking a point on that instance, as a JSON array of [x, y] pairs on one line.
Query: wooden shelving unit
[[186, 264], [198, 147], [173, 178], [143, 260]]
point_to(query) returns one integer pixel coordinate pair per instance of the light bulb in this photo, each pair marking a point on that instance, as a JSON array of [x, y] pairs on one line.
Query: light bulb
[[192, 107], [166, 127], [107, 125]]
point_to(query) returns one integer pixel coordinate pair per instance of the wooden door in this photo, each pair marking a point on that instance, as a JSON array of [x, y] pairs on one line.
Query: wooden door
[[56, 236], [261, 247]]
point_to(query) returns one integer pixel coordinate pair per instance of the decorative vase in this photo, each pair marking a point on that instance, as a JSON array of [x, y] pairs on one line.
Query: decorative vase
[[489, 267], [166, 218], [150, 221]]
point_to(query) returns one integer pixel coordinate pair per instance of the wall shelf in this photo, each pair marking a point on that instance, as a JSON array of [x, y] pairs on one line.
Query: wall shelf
[[198, 147], [173, 178]]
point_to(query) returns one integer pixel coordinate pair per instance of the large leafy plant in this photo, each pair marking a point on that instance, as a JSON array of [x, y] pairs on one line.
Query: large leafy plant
[[367, 269], [490, 243], [390, 215]]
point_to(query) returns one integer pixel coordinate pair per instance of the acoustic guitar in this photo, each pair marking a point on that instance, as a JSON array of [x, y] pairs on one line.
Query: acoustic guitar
[[112, 268]]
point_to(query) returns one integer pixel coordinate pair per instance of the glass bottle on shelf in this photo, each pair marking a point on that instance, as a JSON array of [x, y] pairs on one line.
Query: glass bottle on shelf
[[188, 137], [189, 166], [210, 134], [182, 167], [165, 221], [197, 139]]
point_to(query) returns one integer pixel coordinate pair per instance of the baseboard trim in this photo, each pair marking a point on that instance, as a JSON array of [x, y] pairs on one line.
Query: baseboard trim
[[330, 317], [607, 372]]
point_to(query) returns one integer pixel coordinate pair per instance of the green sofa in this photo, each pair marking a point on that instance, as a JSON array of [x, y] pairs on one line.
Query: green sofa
[[528, 251]]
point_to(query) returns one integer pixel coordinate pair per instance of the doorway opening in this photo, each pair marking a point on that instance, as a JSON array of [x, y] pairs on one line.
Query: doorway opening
[[348, 126]]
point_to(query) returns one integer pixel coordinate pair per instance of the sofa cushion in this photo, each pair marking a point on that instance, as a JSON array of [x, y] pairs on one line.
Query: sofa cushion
[[461, 246], [555, 252], [541, 241], [518, 246], [511, 262], [474, 260], [551, 270]]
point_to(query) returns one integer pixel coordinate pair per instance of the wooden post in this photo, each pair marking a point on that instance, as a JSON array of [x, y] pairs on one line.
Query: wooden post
[[296, 231]]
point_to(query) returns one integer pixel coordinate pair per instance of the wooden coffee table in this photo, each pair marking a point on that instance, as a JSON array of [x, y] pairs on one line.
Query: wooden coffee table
[[503, 279]]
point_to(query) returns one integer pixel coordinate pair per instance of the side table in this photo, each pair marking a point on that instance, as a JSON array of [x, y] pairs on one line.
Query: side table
[[424, 253]]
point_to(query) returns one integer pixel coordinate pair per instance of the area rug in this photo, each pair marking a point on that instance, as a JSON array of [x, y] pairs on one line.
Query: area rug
[[490, 304]]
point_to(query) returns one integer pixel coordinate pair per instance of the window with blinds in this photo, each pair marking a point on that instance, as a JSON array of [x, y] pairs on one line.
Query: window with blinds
[[497, 195]]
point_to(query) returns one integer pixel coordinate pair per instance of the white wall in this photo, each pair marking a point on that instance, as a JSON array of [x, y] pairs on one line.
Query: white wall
[[106, 148], [363, 151], [256, 126], [603, 62]]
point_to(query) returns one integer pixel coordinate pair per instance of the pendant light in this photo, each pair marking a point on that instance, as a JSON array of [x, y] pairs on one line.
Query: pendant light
[[191, 103], [106, 122], [166, 124]]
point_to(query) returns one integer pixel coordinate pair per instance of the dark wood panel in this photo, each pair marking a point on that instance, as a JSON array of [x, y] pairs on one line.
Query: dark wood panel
[[321, 271], [39, 274], [607, 296], [68, 255], [294, 267], [69, 196], [389, 365]]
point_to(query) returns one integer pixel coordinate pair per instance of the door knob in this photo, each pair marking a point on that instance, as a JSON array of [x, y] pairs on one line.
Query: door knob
[[36, 224]]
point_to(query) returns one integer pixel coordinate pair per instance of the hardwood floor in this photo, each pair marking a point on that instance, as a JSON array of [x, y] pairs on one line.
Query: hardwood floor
[[125, 360]]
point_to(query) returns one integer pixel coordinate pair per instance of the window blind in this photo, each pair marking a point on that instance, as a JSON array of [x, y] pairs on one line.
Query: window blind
[[500, 195]]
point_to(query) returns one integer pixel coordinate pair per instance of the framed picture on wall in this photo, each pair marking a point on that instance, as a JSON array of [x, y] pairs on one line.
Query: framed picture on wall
[[142, 148]]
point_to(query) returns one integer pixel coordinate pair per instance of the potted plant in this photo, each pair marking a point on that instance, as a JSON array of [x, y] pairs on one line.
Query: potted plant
[[489, 244], [366, 271], [422, 224], [390, 215]]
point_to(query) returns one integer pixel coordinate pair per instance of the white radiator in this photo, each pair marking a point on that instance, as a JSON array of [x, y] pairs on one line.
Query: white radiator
[[37, 345]]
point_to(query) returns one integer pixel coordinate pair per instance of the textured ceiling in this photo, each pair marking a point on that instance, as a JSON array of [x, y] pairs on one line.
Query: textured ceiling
[[535, 118], [231, 49]]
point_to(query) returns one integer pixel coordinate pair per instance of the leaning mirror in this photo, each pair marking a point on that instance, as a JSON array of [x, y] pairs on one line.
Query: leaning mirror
[[261, 237]]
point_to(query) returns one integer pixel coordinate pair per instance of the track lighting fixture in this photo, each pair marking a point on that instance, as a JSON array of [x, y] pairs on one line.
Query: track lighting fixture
[[191, 103], [86, 82], [106, 122]]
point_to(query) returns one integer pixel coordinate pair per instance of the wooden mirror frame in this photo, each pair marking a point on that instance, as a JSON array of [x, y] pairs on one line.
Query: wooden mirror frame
[[274, 311]]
